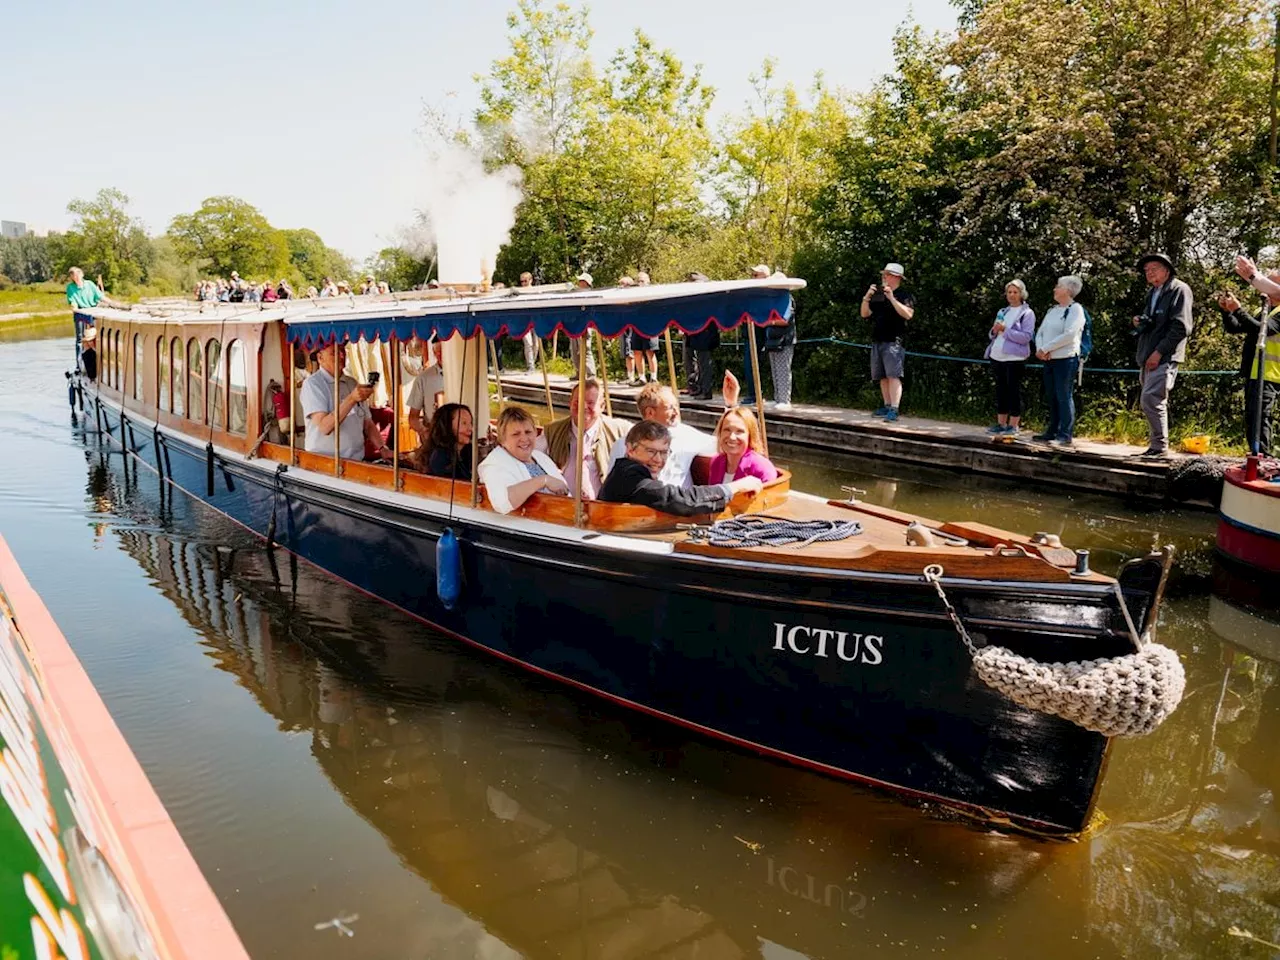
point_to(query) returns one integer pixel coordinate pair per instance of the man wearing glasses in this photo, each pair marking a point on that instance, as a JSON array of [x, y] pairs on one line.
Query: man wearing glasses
[[634, 479]]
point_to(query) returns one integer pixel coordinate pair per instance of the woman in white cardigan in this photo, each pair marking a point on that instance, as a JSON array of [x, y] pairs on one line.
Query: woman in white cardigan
[[515, 471], [1058, 345]]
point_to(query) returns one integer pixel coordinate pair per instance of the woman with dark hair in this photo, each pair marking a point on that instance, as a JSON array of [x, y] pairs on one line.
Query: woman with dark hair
[[447, 452]]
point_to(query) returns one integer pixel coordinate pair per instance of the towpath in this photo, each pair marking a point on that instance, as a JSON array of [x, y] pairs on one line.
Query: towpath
[[1091, 465]]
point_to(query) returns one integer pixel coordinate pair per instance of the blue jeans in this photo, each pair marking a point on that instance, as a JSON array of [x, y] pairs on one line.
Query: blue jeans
[[1059, 387]]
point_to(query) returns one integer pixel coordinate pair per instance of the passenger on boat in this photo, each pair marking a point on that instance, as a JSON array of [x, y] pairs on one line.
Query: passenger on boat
[[355, 425], [738, 437], [447, 451], [89, 351], [559, 440], [637, 478], [427, 390], [516, 470], [657, 403]]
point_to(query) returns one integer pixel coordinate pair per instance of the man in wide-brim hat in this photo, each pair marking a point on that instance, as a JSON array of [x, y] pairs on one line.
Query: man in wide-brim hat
[[1163, 328]]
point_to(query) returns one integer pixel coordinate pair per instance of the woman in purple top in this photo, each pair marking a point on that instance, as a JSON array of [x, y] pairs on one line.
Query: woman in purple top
[[1010, 344], [738, 439]]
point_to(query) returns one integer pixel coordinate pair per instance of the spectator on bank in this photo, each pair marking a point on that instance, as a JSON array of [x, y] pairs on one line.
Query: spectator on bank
[[253, 293], [238, 291], [284, 291], [583, 282], [529, 341], [224, 291], [1058, 346], [269, 294], [699, 346], [344, 289], [758, 272], [888, 307], [312, 293], [741, 454], [328, 288], [1009, 347], [780, 347], [1163, 329], [1235, 319]]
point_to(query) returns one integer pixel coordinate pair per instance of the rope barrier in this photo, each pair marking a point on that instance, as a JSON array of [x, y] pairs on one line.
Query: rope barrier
[[1132, 371]]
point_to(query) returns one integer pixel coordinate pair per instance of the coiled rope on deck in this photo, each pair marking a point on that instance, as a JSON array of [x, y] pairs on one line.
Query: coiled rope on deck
[[1125, 696], [759, 530]]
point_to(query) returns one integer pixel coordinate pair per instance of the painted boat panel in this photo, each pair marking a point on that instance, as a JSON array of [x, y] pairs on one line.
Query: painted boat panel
[[92, 864]]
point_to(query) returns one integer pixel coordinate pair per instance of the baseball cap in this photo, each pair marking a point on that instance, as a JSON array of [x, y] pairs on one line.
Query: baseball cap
[[584, 277]]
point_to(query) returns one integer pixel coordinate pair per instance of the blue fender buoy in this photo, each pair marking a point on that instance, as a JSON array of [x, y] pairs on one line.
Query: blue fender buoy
[[448, 569]]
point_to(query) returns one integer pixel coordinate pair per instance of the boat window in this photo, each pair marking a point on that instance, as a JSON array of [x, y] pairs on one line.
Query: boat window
[[139, 348], [104, 356], [238, 389], [217, 385], [162, 373], [113, 348], [195, 381], [179, 381]]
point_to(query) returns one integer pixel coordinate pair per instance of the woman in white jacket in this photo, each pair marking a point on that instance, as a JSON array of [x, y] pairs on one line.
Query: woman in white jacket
[[515, 471], [1058, 345]]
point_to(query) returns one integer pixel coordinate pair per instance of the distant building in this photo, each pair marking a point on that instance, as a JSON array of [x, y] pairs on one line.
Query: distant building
[[13, 229]]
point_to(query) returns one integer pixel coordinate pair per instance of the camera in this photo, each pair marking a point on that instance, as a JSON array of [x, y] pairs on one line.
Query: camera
[[374, 377]]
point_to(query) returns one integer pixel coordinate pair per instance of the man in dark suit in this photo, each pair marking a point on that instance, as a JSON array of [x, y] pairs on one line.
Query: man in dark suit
[[1163, 329], [634, 478]]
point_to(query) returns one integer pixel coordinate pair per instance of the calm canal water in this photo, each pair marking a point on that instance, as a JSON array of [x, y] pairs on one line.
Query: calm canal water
[[324, 756]]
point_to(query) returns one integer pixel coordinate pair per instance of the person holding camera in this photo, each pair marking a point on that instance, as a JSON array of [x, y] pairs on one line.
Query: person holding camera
[[1163, 329], [888, 307], [1235, 319], [352, 418]]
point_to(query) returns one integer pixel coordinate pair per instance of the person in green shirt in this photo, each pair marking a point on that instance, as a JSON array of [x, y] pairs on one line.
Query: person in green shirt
[[81, 293]]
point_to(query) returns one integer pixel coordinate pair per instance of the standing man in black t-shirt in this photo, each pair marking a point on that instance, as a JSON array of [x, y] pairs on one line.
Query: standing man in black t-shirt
[[889, 307]]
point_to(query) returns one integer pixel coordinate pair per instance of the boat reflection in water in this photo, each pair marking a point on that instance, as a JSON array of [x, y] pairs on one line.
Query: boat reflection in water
[[567, 828]]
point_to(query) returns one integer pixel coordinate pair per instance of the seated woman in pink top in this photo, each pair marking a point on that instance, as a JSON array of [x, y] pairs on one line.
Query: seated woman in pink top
[[738, 439]]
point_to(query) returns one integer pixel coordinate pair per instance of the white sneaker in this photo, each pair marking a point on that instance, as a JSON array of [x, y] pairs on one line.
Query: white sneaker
[[782, 406]]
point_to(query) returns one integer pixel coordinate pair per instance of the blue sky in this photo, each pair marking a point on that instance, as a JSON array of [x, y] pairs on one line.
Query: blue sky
[[309, 110]]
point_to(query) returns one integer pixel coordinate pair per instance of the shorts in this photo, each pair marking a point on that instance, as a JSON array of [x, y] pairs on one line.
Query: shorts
[[638, 341], [886, 360]]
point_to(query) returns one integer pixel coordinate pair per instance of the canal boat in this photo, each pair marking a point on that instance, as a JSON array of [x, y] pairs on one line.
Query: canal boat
[[92, 865], [1249, 514], [851, 657]]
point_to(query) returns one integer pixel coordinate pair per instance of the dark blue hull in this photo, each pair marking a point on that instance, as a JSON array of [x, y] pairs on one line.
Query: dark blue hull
[[857, 675]]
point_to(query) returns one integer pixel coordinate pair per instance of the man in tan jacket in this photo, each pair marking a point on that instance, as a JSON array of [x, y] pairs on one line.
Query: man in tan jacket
[[559, 440]]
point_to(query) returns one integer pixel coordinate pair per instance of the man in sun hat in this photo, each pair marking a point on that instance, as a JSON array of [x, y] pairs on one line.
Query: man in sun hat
[[888, 307], [1163, 328]]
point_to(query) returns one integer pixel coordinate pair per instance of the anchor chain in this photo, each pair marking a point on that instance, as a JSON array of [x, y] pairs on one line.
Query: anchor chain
[[933, 574]]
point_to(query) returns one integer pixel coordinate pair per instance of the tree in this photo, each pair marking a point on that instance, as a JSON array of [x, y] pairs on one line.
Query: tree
[[104, 240], [312, 260], [398, 267], [29, 259], [228, 234]]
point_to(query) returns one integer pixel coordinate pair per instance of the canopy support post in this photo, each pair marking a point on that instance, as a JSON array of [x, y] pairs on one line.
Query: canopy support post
[[578, 511], [395, 412], [604, 373], [546, 380], [497, 371], [293, 406], [671, 362], [482, 397], [755, 373], [337, 424]]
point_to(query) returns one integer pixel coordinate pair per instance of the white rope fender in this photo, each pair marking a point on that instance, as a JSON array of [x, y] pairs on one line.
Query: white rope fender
[[1125, 696]]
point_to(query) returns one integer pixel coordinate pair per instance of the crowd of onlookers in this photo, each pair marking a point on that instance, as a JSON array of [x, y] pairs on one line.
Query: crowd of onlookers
[[237, 289]]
